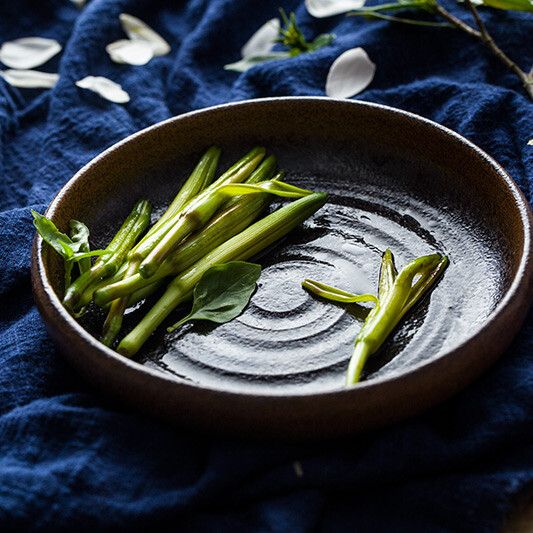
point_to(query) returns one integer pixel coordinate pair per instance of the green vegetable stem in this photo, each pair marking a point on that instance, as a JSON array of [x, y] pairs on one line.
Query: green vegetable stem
[[239, 248], [201, 209], [227, 226], [197, 212], [125, 238], [232, 220], [397, 294], [200, 178]]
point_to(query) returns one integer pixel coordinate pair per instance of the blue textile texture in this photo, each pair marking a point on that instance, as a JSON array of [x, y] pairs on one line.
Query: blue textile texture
[[72, 461]]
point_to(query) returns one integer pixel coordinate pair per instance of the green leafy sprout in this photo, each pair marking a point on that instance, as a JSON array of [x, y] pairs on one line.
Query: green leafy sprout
[[292, 38]]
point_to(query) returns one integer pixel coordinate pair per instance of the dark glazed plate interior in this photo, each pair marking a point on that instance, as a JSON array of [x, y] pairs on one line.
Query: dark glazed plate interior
[[394, 181]]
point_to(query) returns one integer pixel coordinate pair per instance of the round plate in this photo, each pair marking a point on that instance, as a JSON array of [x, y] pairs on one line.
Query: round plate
[[395, 180]]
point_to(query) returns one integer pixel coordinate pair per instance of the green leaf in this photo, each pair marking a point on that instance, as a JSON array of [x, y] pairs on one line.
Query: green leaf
[[60, 242], [381, 16], [417, 5], [291, 36], [336, 295], [79, 233], [511, 5], [250, 61], [223, 292], [279, 188], [322, 40], [78, 256], [70, 250]]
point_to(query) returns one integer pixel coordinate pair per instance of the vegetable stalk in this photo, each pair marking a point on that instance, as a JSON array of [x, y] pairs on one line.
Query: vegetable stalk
[[215, 236], [125, 238], [229, 222], [396, 295], [241, 247], [196, 213], [199, 179]]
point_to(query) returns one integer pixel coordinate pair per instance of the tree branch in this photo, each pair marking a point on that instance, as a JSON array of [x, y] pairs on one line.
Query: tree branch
[[485, 36]]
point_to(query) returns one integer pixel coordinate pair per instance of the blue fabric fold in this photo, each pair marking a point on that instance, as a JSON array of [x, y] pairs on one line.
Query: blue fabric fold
[[72, 460]]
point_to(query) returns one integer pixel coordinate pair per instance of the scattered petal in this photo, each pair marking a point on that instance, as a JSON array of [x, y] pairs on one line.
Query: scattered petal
[[130, 52], [105, 88], [328, 8], [30, 79], [28, 52], [530, 142], [260, 42], [248, 62], [350, 74], [137, 30], [79, 3]]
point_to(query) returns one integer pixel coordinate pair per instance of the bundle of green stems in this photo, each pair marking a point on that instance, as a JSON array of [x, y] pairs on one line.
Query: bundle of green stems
[[209, 222]]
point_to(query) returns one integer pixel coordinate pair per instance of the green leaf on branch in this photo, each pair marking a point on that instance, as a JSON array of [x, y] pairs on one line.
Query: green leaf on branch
[[292, 37], [511, 5], [322, 40], [223, 292], [414, 22], [378, 12]]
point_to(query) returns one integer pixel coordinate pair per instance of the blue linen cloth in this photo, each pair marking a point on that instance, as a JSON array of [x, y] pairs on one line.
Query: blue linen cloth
[[72, 461]]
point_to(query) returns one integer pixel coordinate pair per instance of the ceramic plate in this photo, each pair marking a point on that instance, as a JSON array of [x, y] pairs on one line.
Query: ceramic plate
[[394, 180]]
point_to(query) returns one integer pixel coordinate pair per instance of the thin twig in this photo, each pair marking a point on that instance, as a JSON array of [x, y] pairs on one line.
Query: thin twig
[[485, 36], [458, 23]]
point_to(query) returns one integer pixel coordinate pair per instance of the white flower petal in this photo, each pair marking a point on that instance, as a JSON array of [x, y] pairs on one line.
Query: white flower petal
[[79, 3], [105, 88], [260, 42], [28, 52], [137, 30], [30, 79], [130, 52], [328, 8], [350, 74]]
